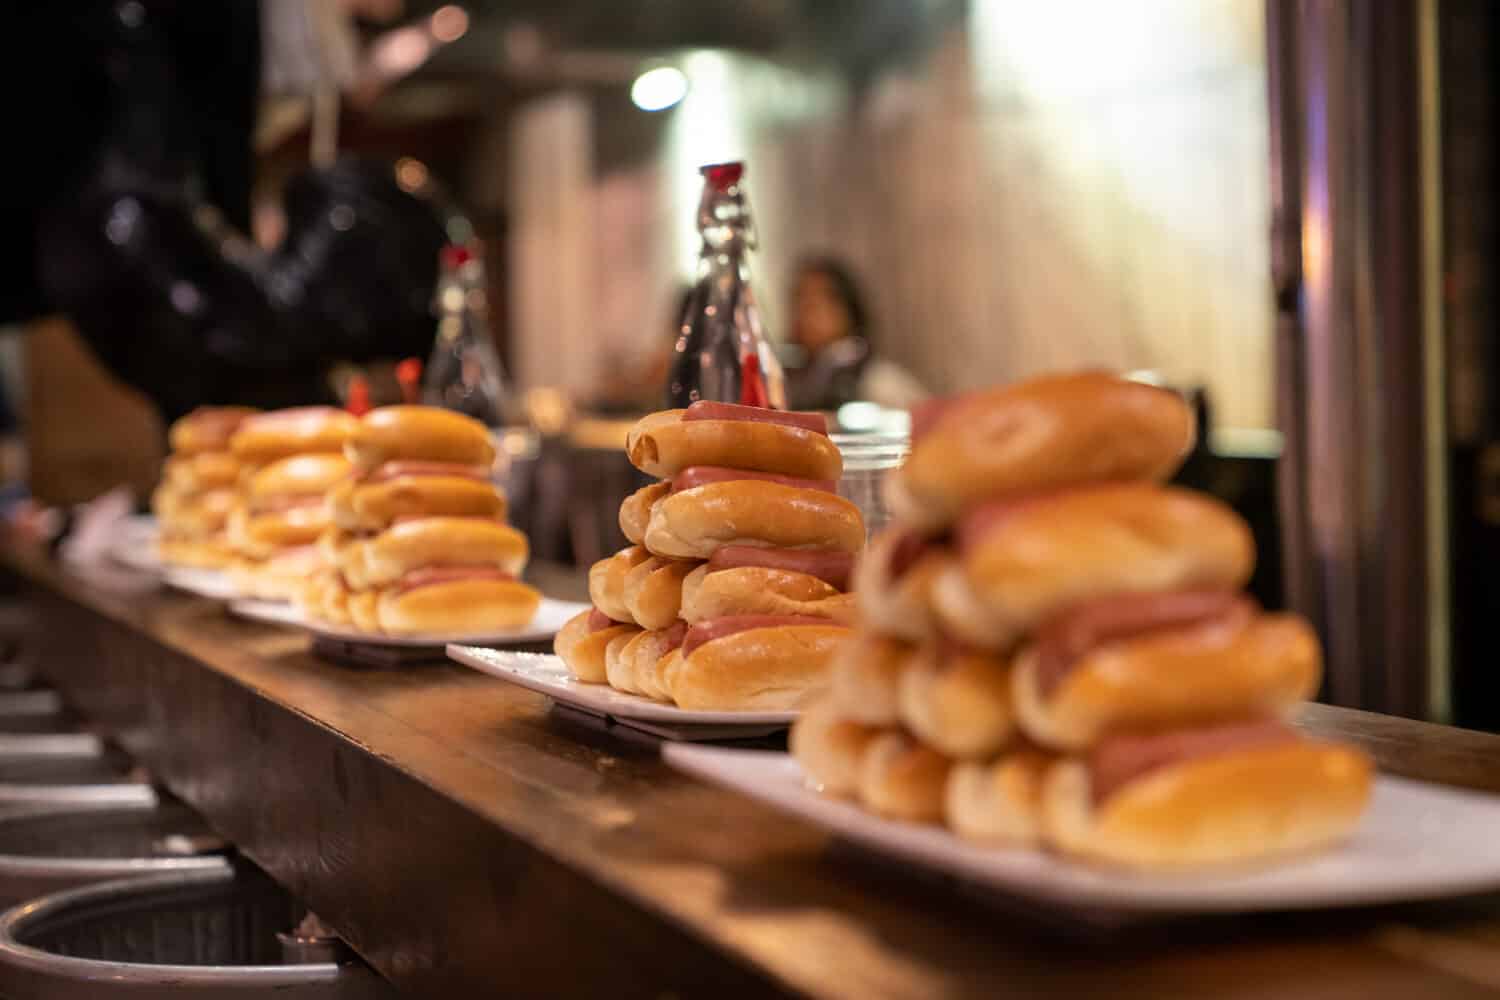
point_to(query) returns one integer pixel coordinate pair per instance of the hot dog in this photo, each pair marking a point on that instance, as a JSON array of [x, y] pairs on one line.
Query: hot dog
[[598, 621], [429, 575], [666, 443], [1118, 761], [719, 628], [833, 568], [702, 475], [396, 470], [706, 410], [1068, 637]]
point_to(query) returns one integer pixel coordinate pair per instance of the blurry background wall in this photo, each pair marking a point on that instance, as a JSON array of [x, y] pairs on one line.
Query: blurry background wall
[[1043, 185]]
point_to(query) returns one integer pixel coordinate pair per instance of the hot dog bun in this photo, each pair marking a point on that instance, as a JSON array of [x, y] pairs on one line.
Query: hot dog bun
[[443, 541], [266, 437], [582, 650], [899, 605], [208, 470], [761, 669], [635, 512], [1060, 549], [830, 747], [364, 610], [209, 553], [461, 607], [756, 590], [298, 476], [1188, 676], [425, 433], [607, 582], [633, 667], [663, 444], [958, 702], [280, 577], [376, 506], [259, 536], [653, 591], [865, 678], [1226, 809], [901, 778], [208, 428], [998, 800], [1043, 433], [694, 523]]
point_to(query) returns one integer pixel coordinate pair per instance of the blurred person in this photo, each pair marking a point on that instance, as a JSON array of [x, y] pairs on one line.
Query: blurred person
[[833, 361], [126, 205]]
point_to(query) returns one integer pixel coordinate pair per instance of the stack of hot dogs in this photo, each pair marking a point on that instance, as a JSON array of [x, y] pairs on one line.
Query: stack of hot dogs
[[1056, 650], [418, 541], [198, 489], [289, 459], [734, 590]]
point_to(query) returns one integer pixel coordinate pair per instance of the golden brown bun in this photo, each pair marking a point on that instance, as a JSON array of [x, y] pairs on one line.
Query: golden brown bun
[[830, 748], [212, 553], [653, 591], [419, 433], [758, 590], [349, 555], [259, 536], [458, 607], [1169, 678], [207, 471], [582, 651], [903, 779], [298, 476], [761, 670], [632, 666], [1060, 430], [1085, 544], [312, 430], [607, 581], [998, 800], [340, 503], [655, 678], [208, 428], [865, 678], [1227, 809], [364, 610], [166, 500], [902, 608], [281, 577], [664, 444], [635, 512], [959, 703], [335, 606], [376, 506], [696, 522], [202, 514], [443, 541]]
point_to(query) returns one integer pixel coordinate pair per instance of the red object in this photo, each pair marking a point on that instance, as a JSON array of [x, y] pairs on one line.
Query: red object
[[454, 257], [752, 385], [409, 374], [396, 470], [430, 575], [723, 176], [358, 402], [1119, 760]]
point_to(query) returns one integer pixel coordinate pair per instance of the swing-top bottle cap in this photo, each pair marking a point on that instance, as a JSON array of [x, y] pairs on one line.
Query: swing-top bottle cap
[[723, 176]]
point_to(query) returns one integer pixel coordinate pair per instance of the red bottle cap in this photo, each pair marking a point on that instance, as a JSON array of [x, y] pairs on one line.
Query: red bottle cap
[[723, 176], [454, 257], [358, 402], [409, 374]]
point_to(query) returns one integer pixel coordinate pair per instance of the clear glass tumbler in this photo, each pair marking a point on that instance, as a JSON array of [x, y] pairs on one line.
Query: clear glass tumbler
[[868, 458]]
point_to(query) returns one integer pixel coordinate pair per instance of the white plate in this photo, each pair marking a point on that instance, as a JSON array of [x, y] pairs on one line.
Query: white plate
[[1417, 841], [546, 675], [210, 583], [135, 544], [550, 616]]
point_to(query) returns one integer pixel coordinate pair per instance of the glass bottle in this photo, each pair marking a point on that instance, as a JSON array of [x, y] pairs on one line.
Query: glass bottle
[[464, 372], [722, 353]]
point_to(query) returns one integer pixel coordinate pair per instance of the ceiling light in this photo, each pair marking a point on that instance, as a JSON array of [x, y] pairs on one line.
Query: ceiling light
[[659, 89]]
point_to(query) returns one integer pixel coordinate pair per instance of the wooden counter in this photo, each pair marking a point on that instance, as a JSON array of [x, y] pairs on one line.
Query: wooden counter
[[467, 842]]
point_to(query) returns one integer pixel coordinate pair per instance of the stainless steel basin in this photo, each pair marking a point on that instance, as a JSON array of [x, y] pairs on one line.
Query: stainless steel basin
[[209, 934], [45, 850]]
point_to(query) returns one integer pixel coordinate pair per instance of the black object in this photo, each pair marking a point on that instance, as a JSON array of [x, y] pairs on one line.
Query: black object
[[140, 239]]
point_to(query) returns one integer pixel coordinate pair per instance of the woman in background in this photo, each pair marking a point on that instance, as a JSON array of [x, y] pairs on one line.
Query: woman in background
[[829, 331]]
